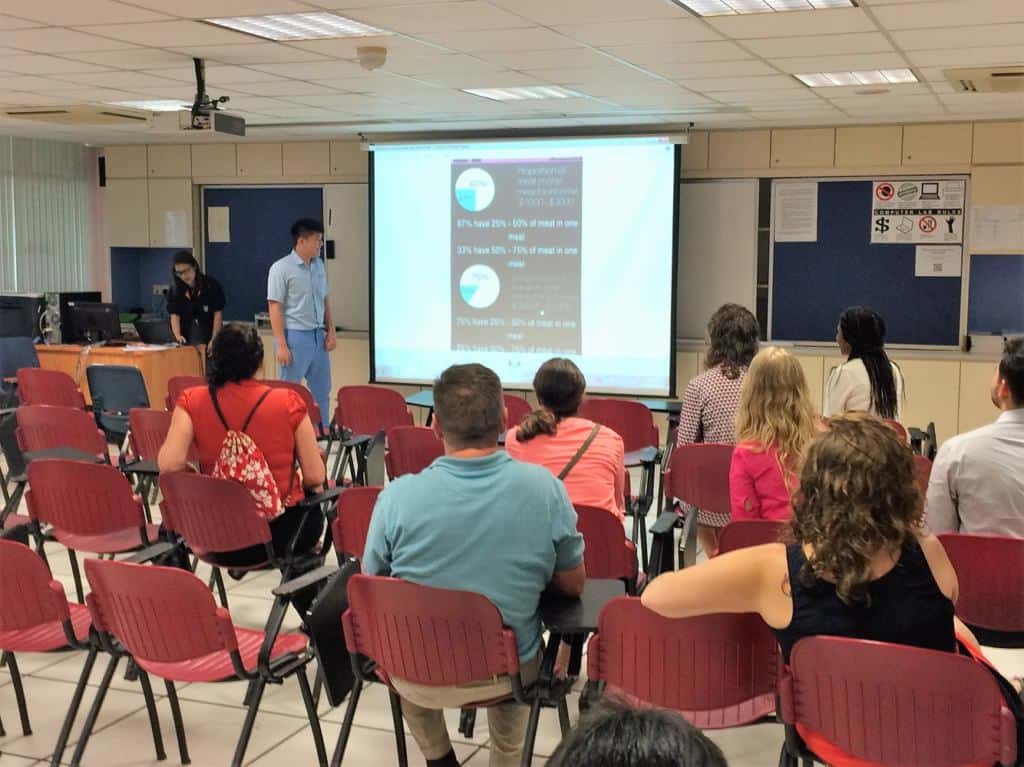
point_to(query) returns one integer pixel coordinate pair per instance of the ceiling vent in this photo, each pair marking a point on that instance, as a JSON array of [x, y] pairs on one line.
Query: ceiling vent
[[80, 115], [987, 80]]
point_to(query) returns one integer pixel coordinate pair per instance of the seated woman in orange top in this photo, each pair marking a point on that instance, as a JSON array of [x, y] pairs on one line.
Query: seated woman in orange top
[[553, 436]]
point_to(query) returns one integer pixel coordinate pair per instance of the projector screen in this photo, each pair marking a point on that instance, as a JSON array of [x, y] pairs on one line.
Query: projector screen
[[508, 253]]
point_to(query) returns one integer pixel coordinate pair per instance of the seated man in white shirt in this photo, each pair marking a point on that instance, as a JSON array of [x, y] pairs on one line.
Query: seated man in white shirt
[[977, 482]]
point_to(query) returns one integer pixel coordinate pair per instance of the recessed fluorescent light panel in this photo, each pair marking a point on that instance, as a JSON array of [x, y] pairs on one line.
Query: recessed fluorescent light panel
[[159, 105], [298, 26], [523, 94], [732, 7], [868, 77]]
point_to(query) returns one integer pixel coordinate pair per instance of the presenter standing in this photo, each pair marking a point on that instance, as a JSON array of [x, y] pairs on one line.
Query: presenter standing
[[300, 315]]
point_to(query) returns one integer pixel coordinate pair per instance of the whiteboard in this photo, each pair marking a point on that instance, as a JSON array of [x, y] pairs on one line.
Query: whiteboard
[[717, 251], [346, 221]]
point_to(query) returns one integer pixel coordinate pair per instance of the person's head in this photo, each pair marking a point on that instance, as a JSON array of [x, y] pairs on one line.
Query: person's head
[[236, 353], [308, 237], [614, 735], [185, 269], [858, 496], [775, 406], [733, 335], [861, 335], [1008, 383], [468, 407], [559, 386]]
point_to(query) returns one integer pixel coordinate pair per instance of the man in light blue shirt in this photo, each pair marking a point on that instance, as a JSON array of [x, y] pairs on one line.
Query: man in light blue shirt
[[476, 520], [300, 315]]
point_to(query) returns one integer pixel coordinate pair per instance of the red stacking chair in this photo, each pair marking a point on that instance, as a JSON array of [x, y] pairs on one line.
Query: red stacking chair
[[177, 384], [698, 476], [352, 523], [897, 427], [88, 507], [35, 616], [37, 386], [924, 474], [607, 553], [42, 427], [411, 449], [147, 430], [894, 705], [392, 625], [716, 670], [517, 409], [142, 608], [361, 412], [990, 570], [633, 422], [312, 408], [749, 532]]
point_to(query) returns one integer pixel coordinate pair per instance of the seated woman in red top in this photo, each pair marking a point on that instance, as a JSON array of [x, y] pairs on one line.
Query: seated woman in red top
[[553, 436], [775, 423], [279, 427]]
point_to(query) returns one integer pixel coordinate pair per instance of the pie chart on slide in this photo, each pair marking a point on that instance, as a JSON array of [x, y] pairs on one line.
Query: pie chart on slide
[[474, 189], [479, 286]]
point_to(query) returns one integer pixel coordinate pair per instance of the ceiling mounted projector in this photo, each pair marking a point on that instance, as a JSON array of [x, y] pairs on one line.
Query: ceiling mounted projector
[[205, 114]]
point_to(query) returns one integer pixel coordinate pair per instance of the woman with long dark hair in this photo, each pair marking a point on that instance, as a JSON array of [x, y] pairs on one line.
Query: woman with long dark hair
[[868, 381], [195, 303]]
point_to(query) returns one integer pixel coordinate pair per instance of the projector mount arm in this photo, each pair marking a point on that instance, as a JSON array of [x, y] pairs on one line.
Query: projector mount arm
[[203, 104]]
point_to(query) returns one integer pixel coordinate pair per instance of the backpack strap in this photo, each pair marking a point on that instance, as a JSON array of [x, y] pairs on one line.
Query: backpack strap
[[579, 453], [220, 414]]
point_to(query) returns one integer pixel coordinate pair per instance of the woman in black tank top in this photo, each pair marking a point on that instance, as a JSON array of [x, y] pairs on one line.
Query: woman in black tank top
[[860, 564]]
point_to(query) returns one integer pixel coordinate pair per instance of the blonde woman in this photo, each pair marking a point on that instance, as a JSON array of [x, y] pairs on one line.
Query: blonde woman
[[775, 423]]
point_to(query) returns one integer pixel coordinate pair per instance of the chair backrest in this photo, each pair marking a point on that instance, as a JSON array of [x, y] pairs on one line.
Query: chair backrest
[[898, 705], [29, 596], [711, 669], [42, 427], [517, 408], [425, 635], [742, 533], [352, 524], [368, 409], [411, 449], [159, 614], [147, 431], [177, 384], [116, 388], [899, 428], [699, 475], [82, 498], [629, 419], [312, 408], [17, 352], [39, 386], [607, 553], [990, 569], [924, 474], [212, 515]]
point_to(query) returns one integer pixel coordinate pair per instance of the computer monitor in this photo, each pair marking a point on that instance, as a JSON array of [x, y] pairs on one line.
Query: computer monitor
[[155, 330], [21, 315], [64, 301], [93, 322]]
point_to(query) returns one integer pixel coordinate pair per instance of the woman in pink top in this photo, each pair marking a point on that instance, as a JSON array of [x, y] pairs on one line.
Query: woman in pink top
[[553, 435], [775, 423]]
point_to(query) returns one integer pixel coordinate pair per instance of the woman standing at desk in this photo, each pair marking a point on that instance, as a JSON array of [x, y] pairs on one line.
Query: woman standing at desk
[[196, 302]]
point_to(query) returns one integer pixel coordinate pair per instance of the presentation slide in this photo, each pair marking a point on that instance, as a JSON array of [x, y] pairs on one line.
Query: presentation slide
[[509, 253]]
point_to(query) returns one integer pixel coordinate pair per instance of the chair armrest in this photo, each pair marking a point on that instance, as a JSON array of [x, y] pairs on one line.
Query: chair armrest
[[150, 553], [289, 588], [327, 495], [665, 523], [360, 439], [645, 455]]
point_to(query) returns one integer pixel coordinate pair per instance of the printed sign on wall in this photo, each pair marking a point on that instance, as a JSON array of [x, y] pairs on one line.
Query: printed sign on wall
[[929, 211]]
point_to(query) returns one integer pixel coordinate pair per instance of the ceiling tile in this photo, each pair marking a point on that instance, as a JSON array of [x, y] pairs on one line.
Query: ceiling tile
[[343, 102], [679, 54], [951, 13], [345, 47], [819, 45], [250, 53], [446, 63], [165, 34], [766, 97], [572, 11], [70, 14], [38, 64], [137, 58], [521, 39], [503, 79], [22, 99], [1000, 55], [58, 40], [34, 83], [311, 70], [640, 31], [208, 9], [766, 82], [467, 15], [573, 58], [286, 89], [613, 74], [1009, 104], [9, 22], [892, 91], [845, 63], [124, 80], [379, 83], [217, 75], [793, 23], [959, 37], [749, 68]]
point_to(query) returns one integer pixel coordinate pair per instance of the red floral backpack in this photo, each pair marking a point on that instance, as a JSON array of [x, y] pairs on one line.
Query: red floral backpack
[[241, 461]]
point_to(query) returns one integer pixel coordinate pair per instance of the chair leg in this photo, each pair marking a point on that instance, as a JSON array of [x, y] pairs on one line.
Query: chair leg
[[76, 701], [179, 725], [217, 579], [396, 721], [94, 711], [154, 720], [77, 575], [19, 693], [531, 733], [467, 722], [563, 717], [314, 720], [642, 519], [346, 724], [250, 720], [318, 686], [3, 732]]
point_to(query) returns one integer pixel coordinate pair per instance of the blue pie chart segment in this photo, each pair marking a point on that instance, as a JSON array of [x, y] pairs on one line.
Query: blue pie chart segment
[[479, 286], [474, 189]]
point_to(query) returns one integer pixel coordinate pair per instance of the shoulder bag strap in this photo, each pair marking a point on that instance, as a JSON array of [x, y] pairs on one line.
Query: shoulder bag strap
[[579, 453]]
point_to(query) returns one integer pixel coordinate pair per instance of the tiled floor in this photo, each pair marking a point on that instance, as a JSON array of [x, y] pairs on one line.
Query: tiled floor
[[213, 714]]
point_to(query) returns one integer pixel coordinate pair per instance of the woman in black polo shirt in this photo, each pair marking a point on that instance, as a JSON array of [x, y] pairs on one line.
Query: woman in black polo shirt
[[196, 302]]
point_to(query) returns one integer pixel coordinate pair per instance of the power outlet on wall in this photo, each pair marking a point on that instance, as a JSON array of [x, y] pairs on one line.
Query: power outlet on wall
[[161, 290]]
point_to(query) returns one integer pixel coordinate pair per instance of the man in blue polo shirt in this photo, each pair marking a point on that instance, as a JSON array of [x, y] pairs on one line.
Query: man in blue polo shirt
[[476, 520], [300, 315]]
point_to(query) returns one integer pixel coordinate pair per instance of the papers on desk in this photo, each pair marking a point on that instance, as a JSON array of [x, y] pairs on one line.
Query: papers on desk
[[145, 347]]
